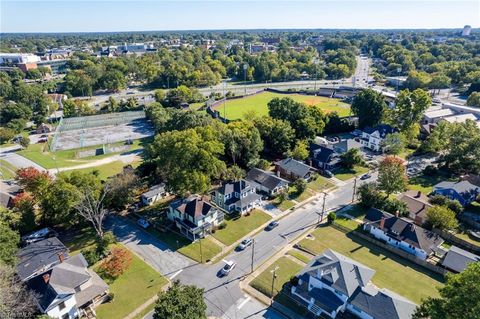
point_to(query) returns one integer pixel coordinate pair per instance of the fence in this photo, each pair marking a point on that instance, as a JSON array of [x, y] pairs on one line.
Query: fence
[[449, 237], [78, 123]]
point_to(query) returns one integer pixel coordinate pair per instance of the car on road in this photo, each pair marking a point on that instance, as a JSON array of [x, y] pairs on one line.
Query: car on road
[[272, 225], [245, 243], [229, 265], [142, 222], [42, 140], [365, 176]]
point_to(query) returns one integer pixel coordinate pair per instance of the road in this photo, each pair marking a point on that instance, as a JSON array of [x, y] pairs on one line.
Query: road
[[8, 154], [223, 296]]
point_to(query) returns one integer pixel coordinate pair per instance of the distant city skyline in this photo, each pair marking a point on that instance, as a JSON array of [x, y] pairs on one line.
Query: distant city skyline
[[110, 16]]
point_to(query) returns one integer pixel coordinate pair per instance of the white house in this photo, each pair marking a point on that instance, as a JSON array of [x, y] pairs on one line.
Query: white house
[[154, 194], [372, 137], [238, 196], [401, 233]]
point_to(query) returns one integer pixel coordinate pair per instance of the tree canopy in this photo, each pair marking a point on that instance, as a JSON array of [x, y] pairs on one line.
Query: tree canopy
[[369, 106], [181, 302]]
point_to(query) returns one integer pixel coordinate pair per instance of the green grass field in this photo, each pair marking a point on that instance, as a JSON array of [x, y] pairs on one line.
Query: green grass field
[[345, 173], [240, 226], [7, 170], [106, 170], [392, 272], [236, 109]]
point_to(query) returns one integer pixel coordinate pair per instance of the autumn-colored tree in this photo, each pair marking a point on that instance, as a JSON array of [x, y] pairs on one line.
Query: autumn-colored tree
[[116, 262], [32, 179], [391, 175]]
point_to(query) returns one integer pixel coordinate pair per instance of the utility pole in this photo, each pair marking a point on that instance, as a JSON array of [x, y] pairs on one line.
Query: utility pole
[[354, 189], [274, 276], [253, 254], [245, 67], [323, 206]]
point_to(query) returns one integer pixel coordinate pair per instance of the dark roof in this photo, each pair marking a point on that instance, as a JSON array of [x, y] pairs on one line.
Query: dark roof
[[417, 203], [346, 145], [296, 167], [321, 153], [383, 130], [382, 304], [404, 230], [39, 257], [232, 187], [266, 179], [458, 259], [195, 207], [243, 201]]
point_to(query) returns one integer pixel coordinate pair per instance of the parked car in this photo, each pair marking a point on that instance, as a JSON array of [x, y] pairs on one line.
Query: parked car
[[245, 243], [142, 222], [42, 140], [229, 265], [272, 225], [39, 235], [365, 176], [327, 173]]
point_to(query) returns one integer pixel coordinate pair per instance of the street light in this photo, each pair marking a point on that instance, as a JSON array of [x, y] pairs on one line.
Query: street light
[[245, 67], [274, 276]]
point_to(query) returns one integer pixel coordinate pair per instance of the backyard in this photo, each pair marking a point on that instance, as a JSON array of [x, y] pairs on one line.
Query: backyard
[[425, 183], [236, 108], [392, 272], [237, 227]]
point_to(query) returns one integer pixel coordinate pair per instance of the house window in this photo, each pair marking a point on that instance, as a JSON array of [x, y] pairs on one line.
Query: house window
[[61, 305]]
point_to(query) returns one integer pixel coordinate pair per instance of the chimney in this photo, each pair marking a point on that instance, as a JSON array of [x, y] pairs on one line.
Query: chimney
[[419, 193], [382, 222], [46, 278], [61, 257]]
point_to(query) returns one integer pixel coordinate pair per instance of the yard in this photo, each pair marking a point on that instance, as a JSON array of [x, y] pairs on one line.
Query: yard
[[287, 268], [7, 170], [106, 170], [236, 108], [348, 173], [320, 184], [425, 183], [392, 272], [134, 287], [237, 227]]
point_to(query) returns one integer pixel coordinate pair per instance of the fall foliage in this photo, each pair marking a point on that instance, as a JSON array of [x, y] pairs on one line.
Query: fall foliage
[[116, 262]]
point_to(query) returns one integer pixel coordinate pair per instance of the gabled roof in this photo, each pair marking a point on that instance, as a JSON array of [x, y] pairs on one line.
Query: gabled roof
[[458, 259], [321, 153], [404, 230], [417, 203], [296, 167], [346, 145], [40, 256], [438, 113], [155, 190], [463, 188], [265, 179], [234, 187], [383, 130], [339, 272], [194, 206]]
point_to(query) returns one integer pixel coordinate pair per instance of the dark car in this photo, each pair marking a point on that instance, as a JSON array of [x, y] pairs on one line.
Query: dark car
[[272, 225], [328, 174], [365, 176], [38, 235]]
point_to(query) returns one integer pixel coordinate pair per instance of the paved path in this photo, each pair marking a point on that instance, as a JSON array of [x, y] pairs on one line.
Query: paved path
[[8, 154]]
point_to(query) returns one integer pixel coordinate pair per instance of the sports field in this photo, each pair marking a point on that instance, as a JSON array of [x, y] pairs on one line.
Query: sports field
[[236, 109]]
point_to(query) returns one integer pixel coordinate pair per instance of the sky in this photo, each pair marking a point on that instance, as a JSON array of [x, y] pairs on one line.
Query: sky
[[105, 16]]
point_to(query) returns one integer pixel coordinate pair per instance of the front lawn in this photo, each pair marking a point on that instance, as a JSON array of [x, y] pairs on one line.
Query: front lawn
[[320, 184], [299, 255], [134, 287], [237, 226], [287, 268], [79, 239], [284, 205], [425, 183], [7, 170], [355, 211], [344, 174], [392, 271]]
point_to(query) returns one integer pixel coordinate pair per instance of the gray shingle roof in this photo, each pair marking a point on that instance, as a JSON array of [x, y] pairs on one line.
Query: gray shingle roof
[[155, 190], [458, 259], [463, 188], [265, 179], [296, 167]]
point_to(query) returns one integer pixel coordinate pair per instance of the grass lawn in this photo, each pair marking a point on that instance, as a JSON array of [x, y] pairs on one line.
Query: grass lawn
[[237, 108], [392, 272], [320, 184], [356, 211], [345, 173], [286, 269], [466, 236], [134, 287], [285, 205], [189, 249], [106, 170], [77, 240], [237, 227], [299, 255], [7, 170], [425, 183], [347, 223]]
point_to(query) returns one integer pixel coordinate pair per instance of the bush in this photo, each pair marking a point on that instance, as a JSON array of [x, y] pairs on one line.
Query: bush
[[430, 170], [331, 217], [440, 200], [300, 185], [92, 256], [222, 225], [294, 281]]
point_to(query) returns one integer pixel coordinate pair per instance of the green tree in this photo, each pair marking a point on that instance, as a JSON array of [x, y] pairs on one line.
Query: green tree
[[113, 80], [122, 190], [409, 107], [439, 81], [369, 106], [459, 298], [79, 83], [181, 302], [300, 185], [112, 105], [442, 218], [300, 151], [159, 95], [277, 135], [6, 134], [9, 240], [417, 80], [351, 158], [391, 175], [393, 143], [242, 142], [474, 99]]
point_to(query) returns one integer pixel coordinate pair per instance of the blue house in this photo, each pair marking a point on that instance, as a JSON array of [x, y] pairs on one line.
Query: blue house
[[463, 191], [323, 157]]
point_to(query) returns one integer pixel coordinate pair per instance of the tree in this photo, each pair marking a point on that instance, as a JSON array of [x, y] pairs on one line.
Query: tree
[[444, 201], [300, 185], [6, 134], [233, 173], [24, 207], [159, 95], [393, 143], [277, 135], [122, 190], [417, 80], [409, 107], [58, 201], [11, 110], [91, 208], [24, 141], [459, 298], [16, 301], [439, 81], [351, 158], [32, 180], [9, 240], [116, 262], [181, 302], [300, 151], [474, 99], [113, 80], [369, 106], [391, 175], [242, 142], [442, 218], [112, 105]]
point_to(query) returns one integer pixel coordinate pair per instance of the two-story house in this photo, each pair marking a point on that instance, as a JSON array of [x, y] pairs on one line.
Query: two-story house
[[292, 169], [238, 196], [372, 137], [194, 216], [401, 233], [332, 283], [324, 157], [463, 191]]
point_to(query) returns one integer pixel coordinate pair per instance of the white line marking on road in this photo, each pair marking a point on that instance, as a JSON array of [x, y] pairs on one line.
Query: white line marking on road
[[243, 303], [176, 274]]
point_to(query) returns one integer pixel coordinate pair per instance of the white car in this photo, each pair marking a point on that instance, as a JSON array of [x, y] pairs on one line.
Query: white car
[[245, 243], [229, 265], [143, 223]]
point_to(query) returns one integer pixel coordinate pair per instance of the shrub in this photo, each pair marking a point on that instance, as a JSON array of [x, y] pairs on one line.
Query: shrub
[[91, 255], [451, 204], [116, 263], [300, 185], [222, 225], [331, 217], [430, 170]]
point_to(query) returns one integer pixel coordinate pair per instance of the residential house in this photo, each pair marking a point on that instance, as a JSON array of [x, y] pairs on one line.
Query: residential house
[[372, 137], [458, 259], [463, 191], [8, 191], [44, 128], [238, 196], [292, 169], [39, 257], [266, 182], [154, 194], [346, 145], [324, 157], [401, 233], [417, 205], [68, 290], [434, 116], [194, 216], [333, 284]]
